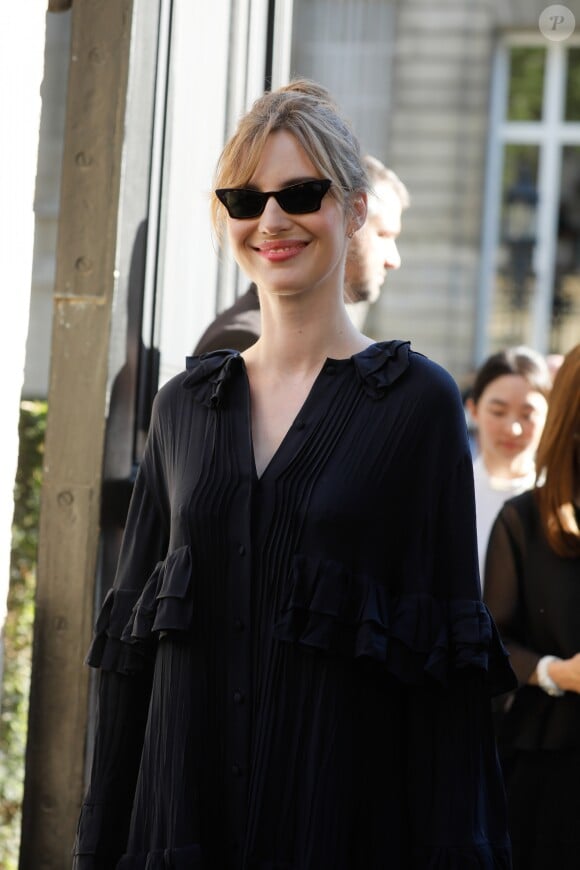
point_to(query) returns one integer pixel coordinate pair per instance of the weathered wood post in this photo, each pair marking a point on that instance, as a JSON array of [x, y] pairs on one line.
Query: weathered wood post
[[69, 524]]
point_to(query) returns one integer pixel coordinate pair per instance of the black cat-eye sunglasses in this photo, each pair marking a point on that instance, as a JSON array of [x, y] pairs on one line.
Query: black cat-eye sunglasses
[[243, 202]]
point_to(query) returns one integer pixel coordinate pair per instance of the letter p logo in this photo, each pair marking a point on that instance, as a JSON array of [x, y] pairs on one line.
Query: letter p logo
[[557, 23]]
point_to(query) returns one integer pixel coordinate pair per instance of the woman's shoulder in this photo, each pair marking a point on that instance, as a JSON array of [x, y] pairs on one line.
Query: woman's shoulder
[[430, 375], [434, 391], [386, 362], [522, 507], [203, 378], [520, 519]]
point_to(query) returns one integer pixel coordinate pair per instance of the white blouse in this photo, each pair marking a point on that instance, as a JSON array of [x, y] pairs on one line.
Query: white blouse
[[490, 495]]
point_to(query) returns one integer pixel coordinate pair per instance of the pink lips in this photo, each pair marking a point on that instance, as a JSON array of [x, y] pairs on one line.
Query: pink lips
[[280, 250], [511, 445]]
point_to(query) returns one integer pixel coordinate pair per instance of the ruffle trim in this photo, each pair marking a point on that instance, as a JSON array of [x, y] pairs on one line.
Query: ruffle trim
[[413, 636], [484, 856], [209, 373], [328, 608], [129, 619], [378, 367]]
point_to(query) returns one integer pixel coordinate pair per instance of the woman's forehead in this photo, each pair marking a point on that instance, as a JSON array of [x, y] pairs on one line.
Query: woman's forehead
[[283, 158]]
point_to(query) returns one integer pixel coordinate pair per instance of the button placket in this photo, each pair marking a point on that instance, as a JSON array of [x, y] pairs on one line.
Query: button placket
[[239, 682]]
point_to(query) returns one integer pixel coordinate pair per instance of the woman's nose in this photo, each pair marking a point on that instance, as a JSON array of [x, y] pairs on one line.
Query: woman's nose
[[273, 218], [516, 427]]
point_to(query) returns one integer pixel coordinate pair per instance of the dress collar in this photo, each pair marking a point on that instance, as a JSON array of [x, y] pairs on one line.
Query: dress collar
[[380, 365], [208, 374], [377, 367]]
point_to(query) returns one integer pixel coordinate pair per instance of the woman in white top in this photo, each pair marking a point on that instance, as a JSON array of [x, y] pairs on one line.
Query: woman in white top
[[508, 404]]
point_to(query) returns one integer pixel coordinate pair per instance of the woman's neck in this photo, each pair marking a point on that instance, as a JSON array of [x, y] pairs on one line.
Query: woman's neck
[[519, 466], [300, 331]]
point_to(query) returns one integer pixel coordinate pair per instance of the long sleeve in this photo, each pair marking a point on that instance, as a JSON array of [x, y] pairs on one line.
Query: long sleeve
[[125, 675], [456, 794], [455, 786], [104, 821], [503, 590]]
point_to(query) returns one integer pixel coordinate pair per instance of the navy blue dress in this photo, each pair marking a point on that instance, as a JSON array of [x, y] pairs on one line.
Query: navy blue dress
[[296, 669]]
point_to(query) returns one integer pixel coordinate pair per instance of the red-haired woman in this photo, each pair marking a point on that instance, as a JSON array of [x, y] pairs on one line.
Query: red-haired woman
[[532, 588]]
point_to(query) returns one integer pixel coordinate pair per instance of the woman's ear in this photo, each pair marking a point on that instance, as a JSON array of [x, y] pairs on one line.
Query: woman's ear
[[358, 212]]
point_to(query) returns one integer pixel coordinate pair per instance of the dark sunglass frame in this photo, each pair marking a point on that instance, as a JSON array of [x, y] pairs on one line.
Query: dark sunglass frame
[[243, 203]]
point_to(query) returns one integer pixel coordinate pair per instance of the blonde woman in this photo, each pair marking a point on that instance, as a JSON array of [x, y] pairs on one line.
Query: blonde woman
[[295, 662]]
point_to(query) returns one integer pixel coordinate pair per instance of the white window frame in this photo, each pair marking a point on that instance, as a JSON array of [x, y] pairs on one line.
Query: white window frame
[[216, 69], [550, 134]]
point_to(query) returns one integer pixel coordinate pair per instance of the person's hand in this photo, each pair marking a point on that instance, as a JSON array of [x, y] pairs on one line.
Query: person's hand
[[566, 673]]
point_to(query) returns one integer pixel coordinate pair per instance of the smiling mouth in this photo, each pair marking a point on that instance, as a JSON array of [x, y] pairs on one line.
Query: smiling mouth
[[277, 252]]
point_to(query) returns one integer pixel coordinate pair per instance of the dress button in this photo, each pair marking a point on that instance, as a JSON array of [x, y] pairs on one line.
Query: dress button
[[300, 424], [330, 369], [236, 770], [242, 550], [239, 697], [238, 625]]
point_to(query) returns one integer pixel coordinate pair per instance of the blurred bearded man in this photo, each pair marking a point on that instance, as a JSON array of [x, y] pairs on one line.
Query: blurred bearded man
[[373, 249]]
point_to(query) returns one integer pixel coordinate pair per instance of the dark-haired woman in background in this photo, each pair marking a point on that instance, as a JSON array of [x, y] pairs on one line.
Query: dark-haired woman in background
[[532, 587], [508, 405]]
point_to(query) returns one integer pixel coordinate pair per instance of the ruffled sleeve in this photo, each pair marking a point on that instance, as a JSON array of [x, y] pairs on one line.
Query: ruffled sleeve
[[142, 553], [456, 792], [448, 656], [414, 637], [125, 669]]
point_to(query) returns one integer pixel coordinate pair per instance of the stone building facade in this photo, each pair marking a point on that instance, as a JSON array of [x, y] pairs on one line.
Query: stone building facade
[[424, 84]]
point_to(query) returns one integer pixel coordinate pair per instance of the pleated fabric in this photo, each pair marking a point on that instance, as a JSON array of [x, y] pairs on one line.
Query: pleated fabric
[[296, 669]]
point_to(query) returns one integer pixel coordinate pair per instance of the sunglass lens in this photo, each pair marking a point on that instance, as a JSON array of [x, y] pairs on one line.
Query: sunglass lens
[[302, 198], [243, 203]]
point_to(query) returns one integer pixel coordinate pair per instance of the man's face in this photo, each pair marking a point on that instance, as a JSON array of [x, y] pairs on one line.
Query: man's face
[[373, 249]]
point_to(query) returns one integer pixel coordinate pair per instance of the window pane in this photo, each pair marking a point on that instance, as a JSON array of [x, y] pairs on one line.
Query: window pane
[[515, 280], [526, 83], [573, 86], [348, 46], [565, 326]]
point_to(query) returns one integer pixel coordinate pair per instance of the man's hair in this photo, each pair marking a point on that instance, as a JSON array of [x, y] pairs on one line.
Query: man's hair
[[378, 173]]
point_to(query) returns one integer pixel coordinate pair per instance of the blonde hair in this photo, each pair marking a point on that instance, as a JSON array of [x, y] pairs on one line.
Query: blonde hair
[[307, 111], [558, 460]]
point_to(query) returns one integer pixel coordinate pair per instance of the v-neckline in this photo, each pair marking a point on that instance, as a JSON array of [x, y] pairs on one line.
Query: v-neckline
[[328, 367]]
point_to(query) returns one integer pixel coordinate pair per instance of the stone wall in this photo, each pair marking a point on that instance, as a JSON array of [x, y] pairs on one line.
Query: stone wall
[[438, 143]]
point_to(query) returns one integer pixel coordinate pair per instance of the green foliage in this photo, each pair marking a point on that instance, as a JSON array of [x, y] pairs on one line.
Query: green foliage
[[572, 112], [18, 629], [526, 89]]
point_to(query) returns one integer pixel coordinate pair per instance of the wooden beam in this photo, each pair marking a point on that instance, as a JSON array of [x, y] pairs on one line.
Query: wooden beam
[[68, 542]]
